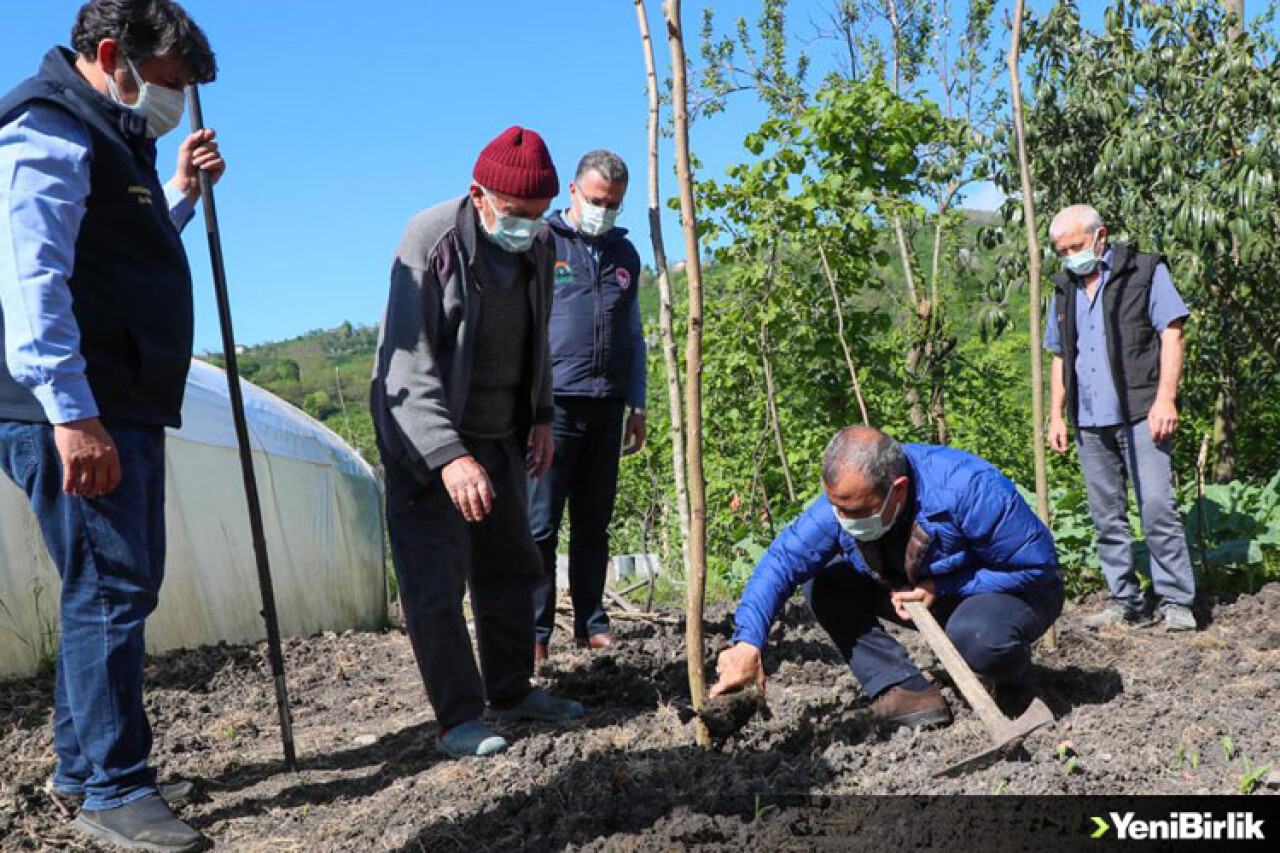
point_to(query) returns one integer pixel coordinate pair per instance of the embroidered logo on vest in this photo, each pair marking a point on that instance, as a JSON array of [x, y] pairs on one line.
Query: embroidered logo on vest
[[624, 278]]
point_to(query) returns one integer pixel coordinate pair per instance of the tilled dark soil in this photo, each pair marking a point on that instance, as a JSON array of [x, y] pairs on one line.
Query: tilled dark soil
[[1139, 712]]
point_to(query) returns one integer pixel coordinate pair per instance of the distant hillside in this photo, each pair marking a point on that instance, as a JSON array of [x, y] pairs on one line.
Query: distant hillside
[[325, 373]]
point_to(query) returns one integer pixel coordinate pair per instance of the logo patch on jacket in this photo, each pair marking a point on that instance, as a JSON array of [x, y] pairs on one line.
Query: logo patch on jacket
[[563, 272], [142, 194], [624, 277]]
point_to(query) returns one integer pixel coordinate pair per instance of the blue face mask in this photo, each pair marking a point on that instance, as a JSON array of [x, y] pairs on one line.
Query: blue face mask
[[511, 233], [872, 527], [1083, 262]]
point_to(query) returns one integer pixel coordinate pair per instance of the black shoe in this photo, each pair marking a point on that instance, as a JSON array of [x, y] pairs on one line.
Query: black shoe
[[176, 794], [145, 824]]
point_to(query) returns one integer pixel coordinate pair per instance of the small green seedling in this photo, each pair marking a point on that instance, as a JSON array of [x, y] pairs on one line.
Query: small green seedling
[[1067, 757], [1195, 759], [1251, 776], [1000, 787], [762, 810], [1228, 747]]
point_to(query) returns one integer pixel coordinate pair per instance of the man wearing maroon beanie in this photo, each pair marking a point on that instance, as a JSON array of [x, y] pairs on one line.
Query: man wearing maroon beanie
[[462, 406]]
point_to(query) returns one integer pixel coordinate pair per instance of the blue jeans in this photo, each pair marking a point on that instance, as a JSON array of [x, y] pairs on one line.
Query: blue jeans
[[1112, 457], [992, 631], [110, 555], [584, 473]]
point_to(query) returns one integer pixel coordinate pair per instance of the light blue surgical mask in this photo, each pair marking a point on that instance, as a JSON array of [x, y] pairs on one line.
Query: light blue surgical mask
[[872, 527], [511, 233], [1084, 261]]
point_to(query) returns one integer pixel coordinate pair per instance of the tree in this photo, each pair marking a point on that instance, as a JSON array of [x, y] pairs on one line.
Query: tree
[[1033, 266], [696, 579], [666, 323]]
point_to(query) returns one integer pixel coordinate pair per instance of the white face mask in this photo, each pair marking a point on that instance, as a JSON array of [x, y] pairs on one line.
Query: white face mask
[[162, 107], [511, 233], [872, 527], [594, 219]]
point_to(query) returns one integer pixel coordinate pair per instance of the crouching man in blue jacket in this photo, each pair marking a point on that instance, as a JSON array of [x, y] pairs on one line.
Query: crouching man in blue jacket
[[899, 523]]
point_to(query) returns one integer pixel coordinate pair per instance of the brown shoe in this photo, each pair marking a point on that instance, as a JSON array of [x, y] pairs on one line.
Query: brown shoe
[[539, 652], [606, 640], [898, 707]]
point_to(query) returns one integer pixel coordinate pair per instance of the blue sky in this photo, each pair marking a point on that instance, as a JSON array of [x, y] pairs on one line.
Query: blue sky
[[341, 120]]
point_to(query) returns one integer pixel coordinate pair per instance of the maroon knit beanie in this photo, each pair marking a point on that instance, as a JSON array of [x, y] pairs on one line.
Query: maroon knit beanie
[[518, 164]]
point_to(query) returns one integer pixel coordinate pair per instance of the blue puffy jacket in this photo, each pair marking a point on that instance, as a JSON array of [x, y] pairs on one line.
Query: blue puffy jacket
[[984, 538], [597, 338]]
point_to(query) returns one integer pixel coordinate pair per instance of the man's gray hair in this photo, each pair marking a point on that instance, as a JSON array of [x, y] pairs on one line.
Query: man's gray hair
[[1081, 215], [876, 456], [608, 164]]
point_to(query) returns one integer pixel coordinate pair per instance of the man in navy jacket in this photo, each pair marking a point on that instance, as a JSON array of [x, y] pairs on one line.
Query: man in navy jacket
[[598, 359], [898, 523]]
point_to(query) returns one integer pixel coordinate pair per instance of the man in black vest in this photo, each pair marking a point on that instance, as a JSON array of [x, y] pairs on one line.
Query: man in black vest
[[96, 303], [1115, 330]]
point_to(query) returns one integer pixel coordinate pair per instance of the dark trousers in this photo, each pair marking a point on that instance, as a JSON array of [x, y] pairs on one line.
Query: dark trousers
[[110, 556], [437, 555], [585, 474], [992, 631]]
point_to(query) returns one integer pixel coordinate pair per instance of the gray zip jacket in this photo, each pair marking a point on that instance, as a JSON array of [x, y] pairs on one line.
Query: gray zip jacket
[[426, 347]]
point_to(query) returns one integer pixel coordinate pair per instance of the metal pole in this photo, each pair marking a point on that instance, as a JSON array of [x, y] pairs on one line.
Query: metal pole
[[274, 653]]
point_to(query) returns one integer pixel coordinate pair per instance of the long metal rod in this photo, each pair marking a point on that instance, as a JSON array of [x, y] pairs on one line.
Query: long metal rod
[[274, 653]]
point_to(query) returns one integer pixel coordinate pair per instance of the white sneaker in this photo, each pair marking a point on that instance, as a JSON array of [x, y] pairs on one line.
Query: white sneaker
[[1178, 618]]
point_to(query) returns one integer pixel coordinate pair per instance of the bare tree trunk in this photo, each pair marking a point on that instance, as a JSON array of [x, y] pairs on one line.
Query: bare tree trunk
[[1224, 422], [919, 420], [696, 584], [938, 412], [844, 343], [666, 324], [1235, 7], [1033, 263], [771, 402]]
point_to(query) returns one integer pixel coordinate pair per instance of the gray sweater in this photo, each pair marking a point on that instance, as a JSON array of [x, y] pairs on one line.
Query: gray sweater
[[426, 348]]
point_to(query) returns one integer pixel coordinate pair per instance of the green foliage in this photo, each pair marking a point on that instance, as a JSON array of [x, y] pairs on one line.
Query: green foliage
[[1167, 125]]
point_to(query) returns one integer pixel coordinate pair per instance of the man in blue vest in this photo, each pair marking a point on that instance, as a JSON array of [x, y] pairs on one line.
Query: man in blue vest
[[898, 523], [1115, 331], [95, 294], [598, 351]]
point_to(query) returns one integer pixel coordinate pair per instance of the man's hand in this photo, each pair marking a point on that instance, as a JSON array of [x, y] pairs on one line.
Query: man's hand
[[198, 153], [90, 462], [469, 488], [633, 435], [923, 592], [542, 449], [739, 667], [1058, 435], [1162, 419]]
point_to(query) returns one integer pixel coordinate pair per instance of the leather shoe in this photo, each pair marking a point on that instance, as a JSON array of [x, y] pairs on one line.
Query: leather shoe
[[898, 707], [605, 640], [145, 824], [539, 652]]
